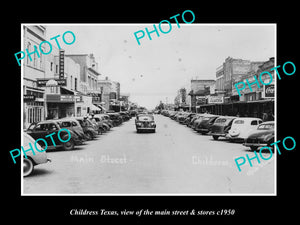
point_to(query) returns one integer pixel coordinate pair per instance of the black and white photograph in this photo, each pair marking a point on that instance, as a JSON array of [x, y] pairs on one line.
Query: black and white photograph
[[148, 109], [150, 113]]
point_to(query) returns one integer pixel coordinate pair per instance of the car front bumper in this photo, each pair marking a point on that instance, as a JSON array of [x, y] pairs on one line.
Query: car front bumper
[[255, 144]]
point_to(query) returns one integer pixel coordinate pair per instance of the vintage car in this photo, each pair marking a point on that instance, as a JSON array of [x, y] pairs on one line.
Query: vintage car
[[116, 118], [221, 126], [182, 116], [90, 130], [44, 128], [262, 136], [145, 122], [206, 123], [32, 160], [188, 118], [125, 115], [102, 126], [241, 127], [193, 119], [72, 124], [105, 118], [198, 120]]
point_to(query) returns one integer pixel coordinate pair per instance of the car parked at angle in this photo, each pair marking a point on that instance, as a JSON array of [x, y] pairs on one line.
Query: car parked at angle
[[32, 160], [241, 127], [205, 124], [44, 128], [106, 120], [145, 122], [221, 126], [180, 117], [188, 118], [262, 136], [72, 124], [192, 120], [198, 120], [89, 129], [102, 126], [125, 115], [116, 118]]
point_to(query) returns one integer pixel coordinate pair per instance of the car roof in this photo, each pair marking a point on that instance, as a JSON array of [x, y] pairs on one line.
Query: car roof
[[145, 114], [47, 121], [247, 118], [268, 122], [227, 117], [67, 119]]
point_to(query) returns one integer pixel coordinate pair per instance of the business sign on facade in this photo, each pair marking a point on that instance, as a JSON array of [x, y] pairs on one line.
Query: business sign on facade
[[29, 98], [200, 100], [43, 82], [61, 63], [60, 98], [215, 99], [269, 91]]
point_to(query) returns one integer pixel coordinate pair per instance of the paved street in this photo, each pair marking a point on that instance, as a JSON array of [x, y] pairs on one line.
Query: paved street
[[174, 160]]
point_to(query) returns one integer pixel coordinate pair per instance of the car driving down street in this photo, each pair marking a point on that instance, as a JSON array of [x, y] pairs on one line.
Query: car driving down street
[[145, 122]]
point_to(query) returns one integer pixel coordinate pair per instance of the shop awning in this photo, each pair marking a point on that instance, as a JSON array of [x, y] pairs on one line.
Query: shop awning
[[101, 107], [94, 108], [66, 91]]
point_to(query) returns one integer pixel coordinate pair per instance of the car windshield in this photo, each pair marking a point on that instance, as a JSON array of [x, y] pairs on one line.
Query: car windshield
[[145, 117], [267, 126]]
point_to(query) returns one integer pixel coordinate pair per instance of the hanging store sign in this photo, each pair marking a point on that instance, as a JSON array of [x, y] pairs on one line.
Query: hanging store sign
[[28, 98]]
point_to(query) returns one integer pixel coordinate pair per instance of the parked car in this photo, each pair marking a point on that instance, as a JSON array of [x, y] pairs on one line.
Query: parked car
[[116, 118], [72, 124], [182, 116], [193, 119], [145, 122], [125, 115], [102, 126], [188, 119], [89, 129], [262, 136], [106, 119], [198, 120], [32, 160], [221, 126], [44, 128], [241, 127], [206, 123]]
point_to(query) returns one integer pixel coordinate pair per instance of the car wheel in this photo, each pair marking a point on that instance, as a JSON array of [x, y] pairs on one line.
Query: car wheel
[[215, 137], [27, 167], [253, 148], [69, 145]]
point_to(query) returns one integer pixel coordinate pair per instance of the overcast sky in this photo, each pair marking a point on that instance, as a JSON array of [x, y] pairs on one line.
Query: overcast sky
[[157, 68]]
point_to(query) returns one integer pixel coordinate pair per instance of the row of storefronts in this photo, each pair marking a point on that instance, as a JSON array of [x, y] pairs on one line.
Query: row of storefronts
[[61, 85], [209, 96]]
